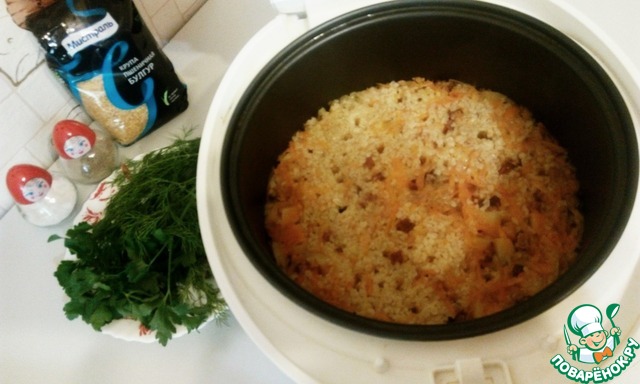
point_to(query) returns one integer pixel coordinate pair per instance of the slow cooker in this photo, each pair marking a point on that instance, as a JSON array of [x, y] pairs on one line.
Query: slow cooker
[[527, 343]]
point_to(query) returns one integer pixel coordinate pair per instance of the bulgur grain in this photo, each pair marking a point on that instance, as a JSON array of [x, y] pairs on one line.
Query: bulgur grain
[[469, 208], [124, 125]]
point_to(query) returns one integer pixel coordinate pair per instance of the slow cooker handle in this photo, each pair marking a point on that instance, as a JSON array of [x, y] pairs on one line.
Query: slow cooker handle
[[319, 11]]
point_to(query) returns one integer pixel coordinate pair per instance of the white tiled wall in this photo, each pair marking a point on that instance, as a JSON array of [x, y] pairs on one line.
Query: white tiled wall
[[32, 101]]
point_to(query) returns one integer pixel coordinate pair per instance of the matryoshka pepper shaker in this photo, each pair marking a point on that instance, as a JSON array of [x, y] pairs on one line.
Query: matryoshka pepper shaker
[[43, 198], [87, 156]]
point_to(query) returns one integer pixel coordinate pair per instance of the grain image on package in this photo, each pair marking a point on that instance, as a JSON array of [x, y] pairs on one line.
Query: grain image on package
[[124, 125]]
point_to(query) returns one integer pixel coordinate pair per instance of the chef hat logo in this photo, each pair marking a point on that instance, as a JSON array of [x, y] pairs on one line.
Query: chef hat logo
[[585, 320]]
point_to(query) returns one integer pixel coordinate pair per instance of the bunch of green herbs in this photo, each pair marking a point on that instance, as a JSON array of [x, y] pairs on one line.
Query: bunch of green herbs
[[144, 259]]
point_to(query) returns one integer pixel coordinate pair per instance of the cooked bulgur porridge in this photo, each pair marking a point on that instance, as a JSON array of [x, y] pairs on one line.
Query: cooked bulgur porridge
[[421, 202]]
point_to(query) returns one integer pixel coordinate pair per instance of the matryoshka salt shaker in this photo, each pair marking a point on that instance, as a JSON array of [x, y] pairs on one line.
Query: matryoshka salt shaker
[[87, 156], [43, 198]]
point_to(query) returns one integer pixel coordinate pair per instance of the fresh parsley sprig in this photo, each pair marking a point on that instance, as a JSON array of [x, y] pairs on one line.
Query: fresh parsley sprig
[[144, 259]]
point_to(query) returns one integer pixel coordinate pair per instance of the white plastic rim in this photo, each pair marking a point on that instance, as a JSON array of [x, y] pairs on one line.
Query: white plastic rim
[[310, 349]]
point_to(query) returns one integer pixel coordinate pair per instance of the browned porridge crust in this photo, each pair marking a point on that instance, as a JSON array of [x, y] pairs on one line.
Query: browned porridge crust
[[423, 202]]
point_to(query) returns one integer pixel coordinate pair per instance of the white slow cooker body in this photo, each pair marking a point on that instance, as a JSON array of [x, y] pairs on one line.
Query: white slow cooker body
[[310, 349]]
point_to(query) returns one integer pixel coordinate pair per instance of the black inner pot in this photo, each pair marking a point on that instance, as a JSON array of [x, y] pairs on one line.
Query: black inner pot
[[485, 45]]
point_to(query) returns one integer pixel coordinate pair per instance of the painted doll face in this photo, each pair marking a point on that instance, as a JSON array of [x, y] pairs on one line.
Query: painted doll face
[[77, 146], [35, 189]]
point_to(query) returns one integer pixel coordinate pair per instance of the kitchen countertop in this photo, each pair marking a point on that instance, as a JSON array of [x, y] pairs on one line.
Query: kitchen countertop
[[39, 345]]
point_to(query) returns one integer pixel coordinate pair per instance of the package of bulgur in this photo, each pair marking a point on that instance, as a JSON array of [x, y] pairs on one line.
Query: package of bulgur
[[110, 62]]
